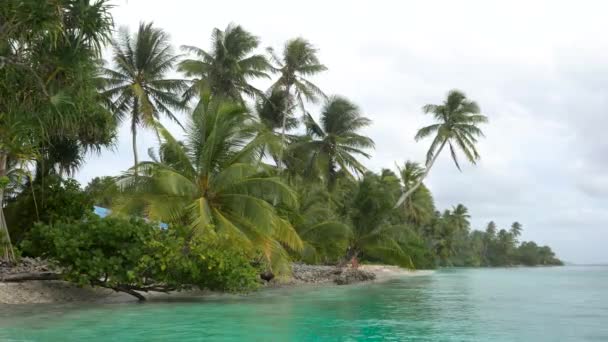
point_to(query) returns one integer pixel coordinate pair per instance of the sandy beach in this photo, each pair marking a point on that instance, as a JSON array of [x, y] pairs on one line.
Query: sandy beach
[[56, 291]]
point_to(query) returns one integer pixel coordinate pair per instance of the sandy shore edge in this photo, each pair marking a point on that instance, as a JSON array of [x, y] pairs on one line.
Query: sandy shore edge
[[49, 292]]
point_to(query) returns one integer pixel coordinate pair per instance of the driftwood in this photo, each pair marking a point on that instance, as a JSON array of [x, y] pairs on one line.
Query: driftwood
[[27, 276]]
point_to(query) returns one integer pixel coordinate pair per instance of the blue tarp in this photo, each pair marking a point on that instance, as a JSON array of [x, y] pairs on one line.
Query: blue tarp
[[104, 212]]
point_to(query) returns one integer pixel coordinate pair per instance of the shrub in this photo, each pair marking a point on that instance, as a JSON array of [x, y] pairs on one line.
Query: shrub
[[49, 201], [131, 255]]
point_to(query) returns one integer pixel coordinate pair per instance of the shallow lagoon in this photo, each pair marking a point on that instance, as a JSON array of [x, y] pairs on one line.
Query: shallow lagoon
[[518, 304]]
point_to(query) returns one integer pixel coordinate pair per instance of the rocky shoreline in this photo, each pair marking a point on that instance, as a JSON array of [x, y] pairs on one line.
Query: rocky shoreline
[[319, 274], [57, 291]]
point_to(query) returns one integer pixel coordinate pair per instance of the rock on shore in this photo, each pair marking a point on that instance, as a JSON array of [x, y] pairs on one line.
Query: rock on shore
[[318, 274]]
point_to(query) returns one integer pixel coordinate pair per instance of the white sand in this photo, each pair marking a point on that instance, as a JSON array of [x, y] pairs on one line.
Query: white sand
[[384, 272]]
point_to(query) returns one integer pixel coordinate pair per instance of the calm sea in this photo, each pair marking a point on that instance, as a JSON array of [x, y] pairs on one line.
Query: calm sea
[[518, 304]]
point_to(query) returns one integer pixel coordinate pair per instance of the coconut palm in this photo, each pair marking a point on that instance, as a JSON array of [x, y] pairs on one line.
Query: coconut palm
[[457, 127], [298, 62], [419, 208], [325, 237], [211, 184], [273, 114], [138, 87], [372, 233], [460, 218], [226, 69], [516, 229], [334, 144]]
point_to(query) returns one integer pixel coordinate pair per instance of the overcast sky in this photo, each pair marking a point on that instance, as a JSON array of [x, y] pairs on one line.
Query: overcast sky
[[537, 69]]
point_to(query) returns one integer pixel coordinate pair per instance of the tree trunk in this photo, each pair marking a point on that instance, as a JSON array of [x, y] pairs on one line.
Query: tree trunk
[[283, 127], [6, 246], [134, 137], [410, 191]]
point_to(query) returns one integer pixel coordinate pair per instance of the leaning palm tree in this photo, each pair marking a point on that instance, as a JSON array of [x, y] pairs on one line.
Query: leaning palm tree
[[298, 62], [333, 144], [138, 87], [211, 183], [458, 119], [226, 69]]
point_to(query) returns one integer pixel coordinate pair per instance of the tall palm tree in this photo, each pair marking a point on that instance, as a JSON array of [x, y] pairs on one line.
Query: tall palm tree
[[335, 142], [298, 62], [138, 87], [211, 183], [226, 69], [516, 229], [457, 127], [460, 218]]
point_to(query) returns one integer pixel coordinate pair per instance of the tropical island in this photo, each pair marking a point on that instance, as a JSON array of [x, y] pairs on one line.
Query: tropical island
[[255, 180]]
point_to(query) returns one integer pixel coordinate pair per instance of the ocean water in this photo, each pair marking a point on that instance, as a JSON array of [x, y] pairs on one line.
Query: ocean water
[[518, 304]]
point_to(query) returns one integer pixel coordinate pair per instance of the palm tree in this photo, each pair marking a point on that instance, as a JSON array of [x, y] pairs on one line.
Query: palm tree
[[334, 144], [225, 70], [324, 236], [372, 233], [298, 62], [273, 114], [211, 184], [419, 207], [516, 229], [460, 218], [458, 119], [138, 86]]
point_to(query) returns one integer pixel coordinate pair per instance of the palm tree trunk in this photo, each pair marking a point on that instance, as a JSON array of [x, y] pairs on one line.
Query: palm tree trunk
[[284, 127], [411, 190], [6, 246], [134, 137]]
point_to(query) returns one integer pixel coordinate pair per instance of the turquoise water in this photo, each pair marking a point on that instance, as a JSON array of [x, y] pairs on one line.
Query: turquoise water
[[519, 304]]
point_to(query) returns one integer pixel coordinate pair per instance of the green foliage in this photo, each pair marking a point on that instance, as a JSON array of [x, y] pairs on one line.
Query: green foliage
[[50, 113], [530, 254], [226, 206], [211, 183], [101, 190], [130, 255], [374, 236], [225, 70], [298, 61], [500, 248], [331, 147], [137, 89], [53, 200]]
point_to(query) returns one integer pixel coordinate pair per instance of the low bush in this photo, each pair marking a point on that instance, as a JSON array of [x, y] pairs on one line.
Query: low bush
[[131, 255]]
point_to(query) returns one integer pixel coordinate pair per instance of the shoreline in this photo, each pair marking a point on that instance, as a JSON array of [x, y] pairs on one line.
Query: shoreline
[[62, 292]]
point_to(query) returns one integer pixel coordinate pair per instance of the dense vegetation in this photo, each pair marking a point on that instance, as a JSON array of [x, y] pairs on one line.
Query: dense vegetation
[[257, 180]]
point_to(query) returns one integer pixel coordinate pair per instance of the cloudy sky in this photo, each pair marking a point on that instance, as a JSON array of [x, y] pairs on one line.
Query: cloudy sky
[[538, 70]]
